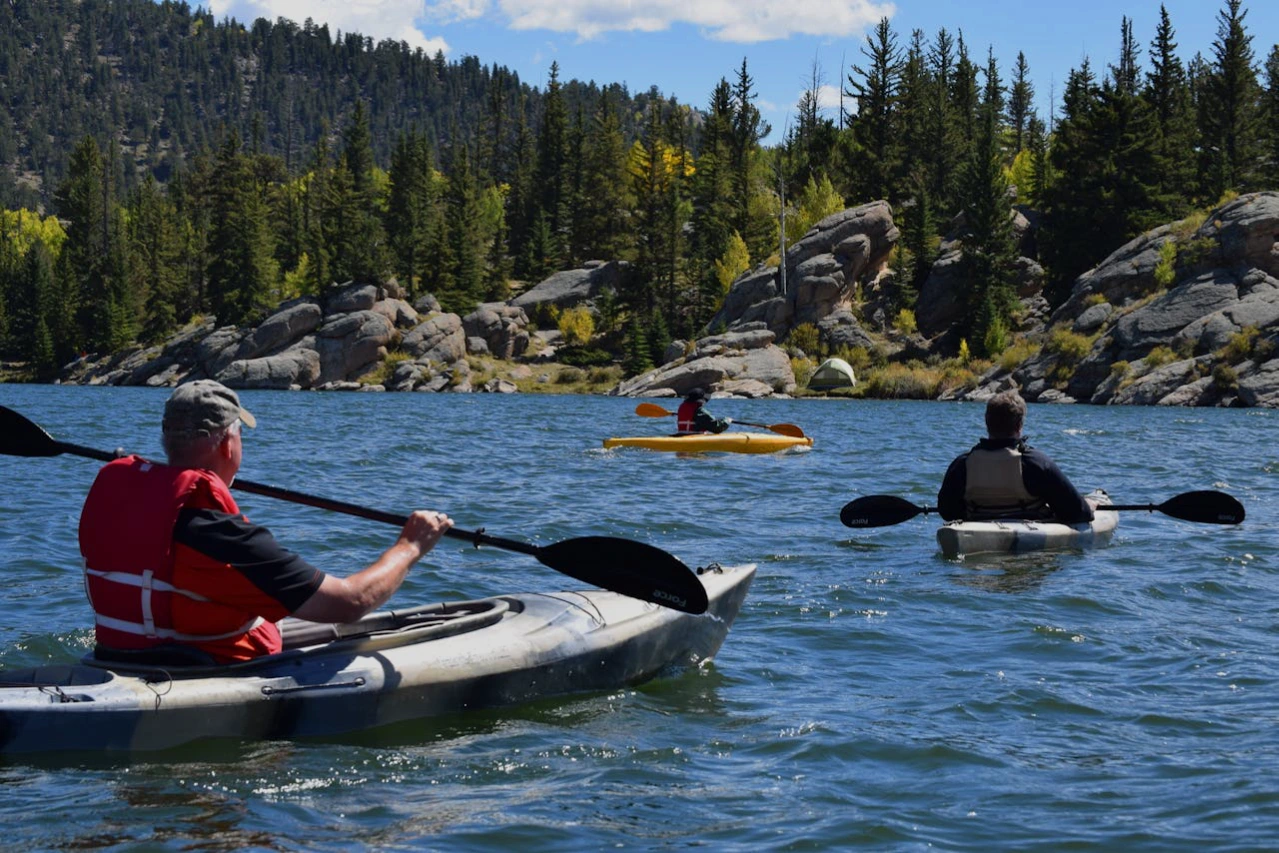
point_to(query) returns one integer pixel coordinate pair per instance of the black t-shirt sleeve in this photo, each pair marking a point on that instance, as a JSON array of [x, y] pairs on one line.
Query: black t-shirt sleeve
[[950, 498], [1045, 480], [252, 551]]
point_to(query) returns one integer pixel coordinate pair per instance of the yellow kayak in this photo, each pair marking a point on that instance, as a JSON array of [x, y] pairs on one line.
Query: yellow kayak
[[724, 442]]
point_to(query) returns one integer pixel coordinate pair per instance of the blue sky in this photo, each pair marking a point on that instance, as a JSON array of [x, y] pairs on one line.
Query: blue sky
[[685, 46]]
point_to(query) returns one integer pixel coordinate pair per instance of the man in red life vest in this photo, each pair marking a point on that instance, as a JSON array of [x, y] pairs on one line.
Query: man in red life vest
[[692, 417], [171, 566]]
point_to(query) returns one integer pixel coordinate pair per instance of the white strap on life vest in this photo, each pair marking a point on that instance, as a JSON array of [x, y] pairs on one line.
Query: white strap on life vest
[[147, 584], [146, 581], [168, 634]]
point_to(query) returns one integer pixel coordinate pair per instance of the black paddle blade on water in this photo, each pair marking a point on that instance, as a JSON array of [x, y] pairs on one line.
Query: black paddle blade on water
[[632, 568], [879, 511], [21, 437], [1205, 506]]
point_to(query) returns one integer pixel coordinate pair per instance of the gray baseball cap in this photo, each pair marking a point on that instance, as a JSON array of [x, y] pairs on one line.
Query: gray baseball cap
[[202, 408]]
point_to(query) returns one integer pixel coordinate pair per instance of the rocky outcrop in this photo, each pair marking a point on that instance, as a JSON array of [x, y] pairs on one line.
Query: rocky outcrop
[[743, 363], [300, 345], [438, 339], [822, 272], [1221, 305], [570, 288], [501, 330]]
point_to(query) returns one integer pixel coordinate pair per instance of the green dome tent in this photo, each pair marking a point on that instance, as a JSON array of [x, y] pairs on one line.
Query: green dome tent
[[832, 373]]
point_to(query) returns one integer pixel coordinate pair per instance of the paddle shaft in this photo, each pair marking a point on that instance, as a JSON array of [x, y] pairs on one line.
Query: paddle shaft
[[475, 537]]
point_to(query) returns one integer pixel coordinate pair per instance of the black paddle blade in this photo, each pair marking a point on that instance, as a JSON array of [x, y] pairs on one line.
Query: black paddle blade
[[21, 437], [1206, 506], [632, 568], [879, 511]]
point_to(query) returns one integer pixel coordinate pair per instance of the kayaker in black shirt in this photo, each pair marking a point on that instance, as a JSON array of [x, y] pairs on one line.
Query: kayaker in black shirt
[[692, 417], [1003, 477]]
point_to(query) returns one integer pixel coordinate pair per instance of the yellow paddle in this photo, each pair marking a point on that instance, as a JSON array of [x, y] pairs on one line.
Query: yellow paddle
[[652, 410]]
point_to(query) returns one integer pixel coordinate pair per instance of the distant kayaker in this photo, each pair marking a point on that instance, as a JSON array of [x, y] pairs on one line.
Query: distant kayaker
[[1003, 477], [692, 417], [171, 562]]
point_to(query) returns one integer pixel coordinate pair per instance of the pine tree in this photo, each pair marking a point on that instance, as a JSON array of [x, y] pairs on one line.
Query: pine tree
[[550, 179], [648, 177], [638, 358], [412, 206], [911, 108], [315, 219], [675, 212], [361, 242], [943, 146], [1124, 75], [156, 249], [873, 127], [1229, 120], [242, 268], [1271, 118], [1021, 99], [967, 101], [658, 338], [812, 145], [748, 128], [1105, 186], [992, 96], [83, 200], [712, 216], [462, 203], [1167, 91], [605, 200], [919, 238], [989, 250], [35, 303], [574, 190], [1071, 234], [520, 202], [1041, 175]]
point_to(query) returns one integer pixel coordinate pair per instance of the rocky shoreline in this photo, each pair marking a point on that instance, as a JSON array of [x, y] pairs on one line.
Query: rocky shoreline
[[1186, 314]]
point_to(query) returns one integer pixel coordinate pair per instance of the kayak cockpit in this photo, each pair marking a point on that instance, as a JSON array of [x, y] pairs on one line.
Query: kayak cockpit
[[375, 632], [71, 675]]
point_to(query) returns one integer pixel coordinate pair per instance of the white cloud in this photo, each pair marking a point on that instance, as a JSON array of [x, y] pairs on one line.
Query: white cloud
[[742, 21], [725, 20], [828, 97], [378, 19]]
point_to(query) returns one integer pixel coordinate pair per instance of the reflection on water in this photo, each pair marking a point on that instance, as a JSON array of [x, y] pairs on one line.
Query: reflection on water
[[1007, 573]]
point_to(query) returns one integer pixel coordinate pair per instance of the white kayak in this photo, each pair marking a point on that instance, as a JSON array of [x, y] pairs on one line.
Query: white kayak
[[390, 667], [1018, 536]]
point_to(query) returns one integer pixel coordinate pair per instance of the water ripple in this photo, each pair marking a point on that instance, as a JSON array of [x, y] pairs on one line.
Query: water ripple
[[871, 694]]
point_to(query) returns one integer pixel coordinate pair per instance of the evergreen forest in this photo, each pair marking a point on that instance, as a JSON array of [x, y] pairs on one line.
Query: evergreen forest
[[158, 165]]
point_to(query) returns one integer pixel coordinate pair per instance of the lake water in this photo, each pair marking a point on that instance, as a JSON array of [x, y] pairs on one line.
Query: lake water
[[870, 695]]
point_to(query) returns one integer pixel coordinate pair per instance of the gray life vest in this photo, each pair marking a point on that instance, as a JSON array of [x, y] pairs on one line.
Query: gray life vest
[[995, 488]]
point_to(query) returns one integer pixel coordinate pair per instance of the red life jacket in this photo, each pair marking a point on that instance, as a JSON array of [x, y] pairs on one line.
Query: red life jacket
[[685, 418], [146, 590]]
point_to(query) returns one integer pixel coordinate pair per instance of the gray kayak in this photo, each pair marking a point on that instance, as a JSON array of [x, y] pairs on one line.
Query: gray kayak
[[1019, 536], [390, 667]]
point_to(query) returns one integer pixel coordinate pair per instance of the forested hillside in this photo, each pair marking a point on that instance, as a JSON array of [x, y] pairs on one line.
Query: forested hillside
[[166, 82], [159, 165]]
